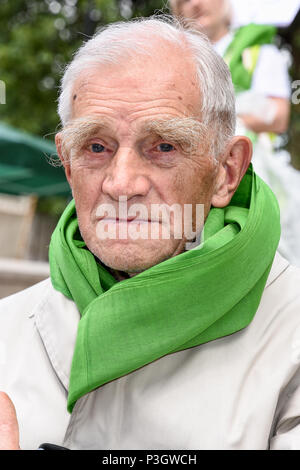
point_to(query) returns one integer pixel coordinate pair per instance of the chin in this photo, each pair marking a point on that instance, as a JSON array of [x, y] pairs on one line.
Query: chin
[[133, 257]]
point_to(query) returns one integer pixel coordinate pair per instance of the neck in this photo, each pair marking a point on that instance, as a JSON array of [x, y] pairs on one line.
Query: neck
[[219, 34], [119, 275]]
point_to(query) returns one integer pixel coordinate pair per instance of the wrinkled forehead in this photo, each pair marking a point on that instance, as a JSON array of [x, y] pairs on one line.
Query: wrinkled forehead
[[168, 74]]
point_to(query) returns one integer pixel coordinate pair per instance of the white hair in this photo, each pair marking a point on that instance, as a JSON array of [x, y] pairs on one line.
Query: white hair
[[136, 38]]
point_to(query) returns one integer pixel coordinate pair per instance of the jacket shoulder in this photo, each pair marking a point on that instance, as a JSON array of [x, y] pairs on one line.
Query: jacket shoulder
[[24, 302], [280, 303], [284, 280]]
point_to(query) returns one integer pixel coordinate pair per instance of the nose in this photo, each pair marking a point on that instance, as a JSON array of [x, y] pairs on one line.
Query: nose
[[195, 4], [126, 176]]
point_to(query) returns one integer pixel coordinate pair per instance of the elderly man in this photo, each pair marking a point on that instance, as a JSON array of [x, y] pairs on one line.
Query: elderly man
[[148, 336]]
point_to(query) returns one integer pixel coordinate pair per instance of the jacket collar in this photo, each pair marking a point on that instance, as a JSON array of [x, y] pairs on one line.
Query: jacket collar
[[279, 265], [56, 318]]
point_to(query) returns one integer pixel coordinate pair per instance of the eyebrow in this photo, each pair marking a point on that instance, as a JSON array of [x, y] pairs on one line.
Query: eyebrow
[[187, 132], [78, 130]]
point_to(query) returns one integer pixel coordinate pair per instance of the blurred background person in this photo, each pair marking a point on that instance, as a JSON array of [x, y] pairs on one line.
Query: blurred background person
[[260, 76]]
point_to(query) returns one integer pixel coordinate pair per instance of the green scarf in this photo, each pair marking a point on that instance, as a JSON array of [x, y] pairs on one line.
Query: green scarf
[[246, 37], [202, 294]]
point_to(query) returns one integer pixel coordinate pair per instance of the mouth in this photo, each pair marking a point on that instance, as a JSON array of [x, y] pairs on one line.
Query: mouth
[[126, 230], [106, 218], [129, 220]]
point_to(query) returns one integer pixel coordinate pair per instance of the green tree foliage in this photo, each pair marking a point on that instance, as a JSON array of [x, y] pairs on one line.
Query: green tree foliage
[[37, 39]]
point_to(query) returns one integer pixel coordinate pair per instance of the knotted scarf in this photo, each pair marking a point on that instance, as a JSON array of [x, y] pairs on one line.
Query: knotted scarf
[[197, 296]]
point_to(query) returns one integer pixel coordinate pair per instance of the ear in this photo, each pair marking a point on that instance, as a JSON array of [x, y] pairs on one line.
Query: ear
[[233, 165], [61, 154]]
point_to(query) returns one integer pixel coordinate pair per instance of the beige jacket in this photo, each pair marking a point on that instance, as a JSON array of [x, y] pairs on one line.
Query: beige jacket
[[237, 392]]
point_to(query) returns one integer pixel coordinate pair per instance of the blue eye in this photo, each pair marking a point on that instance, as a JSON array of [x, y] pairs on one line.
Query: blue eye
[[166, 147], [97, 148]]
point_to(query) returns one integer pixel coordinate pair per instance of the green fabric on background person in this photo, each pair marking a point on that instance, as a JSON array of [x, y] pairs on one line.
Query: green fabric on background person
[[202, 294], [246, 37], [250, 37]]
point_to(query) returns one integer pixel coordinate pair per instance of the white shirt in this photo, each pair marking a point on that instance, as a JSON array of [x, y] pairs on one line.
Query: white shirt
[[270, 77]]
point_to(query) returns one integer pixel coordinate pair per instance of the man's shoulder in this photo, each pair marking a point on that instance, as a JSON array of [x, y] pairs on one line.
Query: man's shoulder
[[24, 302], [29, 292], [285, 275], [281, 297]]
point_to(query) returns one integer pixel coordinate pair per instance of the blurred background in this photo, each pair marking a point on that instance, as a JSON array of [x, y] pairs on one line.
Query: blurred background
[[37, 39]]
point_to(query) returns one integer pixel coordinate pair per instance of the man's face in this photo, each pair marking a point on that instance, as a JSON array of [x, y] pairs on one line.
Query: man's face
[[131, 152], [209, 14]]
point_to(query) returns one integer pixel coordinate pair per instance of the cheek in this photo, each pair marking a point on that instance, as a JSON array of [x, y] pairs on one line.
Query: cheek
[[86, 188], [194, 183]]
